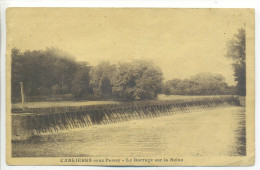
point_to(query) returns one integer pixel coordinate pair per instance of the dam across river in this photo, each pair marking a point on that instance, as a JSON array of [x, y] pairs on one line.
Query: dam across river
[[210, 132]]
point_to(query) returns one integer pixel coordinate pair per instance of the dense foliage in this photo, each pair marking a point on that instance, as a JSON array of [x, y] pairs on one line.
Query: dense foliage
[[137, 81], [48, 72], [102, 78], [53, 72], [200, 84], [236, 50]]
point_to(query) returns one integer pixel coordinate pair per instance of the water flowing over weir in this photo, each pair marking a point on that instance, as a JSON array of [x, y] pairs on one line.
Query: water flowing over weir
[[35, 121]]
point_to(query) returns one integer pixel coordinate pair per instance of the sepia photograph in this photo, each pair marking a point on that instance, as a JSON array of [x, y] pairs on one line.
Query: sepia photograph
[[130, 86]]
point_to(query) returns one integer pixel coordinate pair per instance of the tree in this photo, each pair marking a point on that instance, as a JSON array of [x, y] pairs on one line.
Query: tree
[[170, 86], [236, 50], [149, 84], [208, 84], [102, 77], [200, 84], [16, 71], [138, 80], [43, 72], [80, 84]]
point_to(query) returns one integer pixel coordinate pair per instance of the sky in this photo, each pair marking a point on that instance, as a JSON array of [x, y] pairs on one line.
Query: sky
[[182, 42]]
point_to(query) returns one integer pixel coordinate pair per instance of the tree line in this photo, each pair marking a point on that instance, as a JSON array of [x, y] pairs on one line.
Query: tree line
[[200, 84], [53, 72]]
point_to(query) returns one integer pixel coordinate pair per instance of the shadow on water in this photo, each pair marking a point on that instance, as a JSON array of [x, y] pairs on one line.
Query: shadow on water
[[240, 135]]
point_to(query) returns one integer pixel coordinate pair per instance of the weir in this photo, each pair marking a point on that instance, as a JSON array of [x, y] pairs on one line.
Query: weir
[[35, 121]]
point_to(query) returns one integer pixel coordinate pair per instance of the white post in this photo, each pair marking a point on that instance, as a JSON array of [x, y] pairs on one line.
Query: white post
[[22, 95]]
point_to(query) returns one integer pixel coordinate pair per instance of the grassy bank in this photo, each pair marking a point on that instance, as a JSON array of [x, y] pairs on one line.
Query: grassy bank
[[55, 103]]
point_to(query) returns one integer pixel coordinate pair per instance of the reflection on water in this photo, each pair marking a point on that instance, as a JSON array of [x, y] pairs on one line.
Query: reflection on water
[[240, 137], [217, 132]]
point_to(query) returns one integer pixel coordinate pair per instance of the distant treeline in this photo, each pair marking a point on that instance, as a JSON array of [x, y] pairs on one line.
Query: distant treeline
[[200, 84], [52, 72]]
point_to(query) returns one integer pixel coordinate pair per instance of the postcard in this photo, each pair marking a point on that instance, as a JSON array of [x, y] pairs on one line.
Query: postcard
[[130, 86]]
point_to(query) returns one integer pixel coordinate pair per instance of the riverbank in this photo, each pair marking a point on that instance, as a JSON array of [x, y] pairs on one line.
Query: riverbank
[[44, 104]]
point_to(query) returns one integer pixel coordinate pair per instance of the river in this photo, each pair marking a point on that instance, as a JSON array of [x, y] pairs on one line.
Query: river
[[216, 132]]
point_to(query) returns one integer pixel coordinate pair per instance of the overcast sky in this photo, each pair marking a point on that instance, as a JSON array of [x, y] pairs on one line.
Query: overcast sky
[[181, 42]]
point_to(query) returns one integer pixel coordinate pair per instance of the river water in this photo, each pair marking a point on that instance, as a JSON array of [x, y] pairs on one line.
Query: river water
[[216, 132]]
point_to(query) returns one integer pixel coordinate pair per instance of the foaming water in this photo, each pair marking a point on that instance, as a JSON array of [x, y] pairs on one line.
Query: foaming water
[[217, 132]]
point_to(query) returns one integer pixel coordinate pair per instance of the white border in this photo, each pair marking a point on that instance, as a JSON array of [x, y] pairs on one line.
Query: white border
[[125, 3]]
